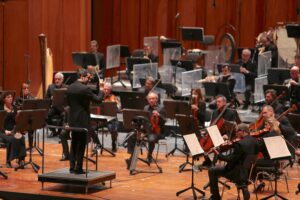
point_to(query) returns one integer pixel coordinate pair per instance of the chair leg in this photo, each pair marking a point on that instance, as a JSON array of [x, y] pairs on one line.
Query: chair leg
[[157, 151]]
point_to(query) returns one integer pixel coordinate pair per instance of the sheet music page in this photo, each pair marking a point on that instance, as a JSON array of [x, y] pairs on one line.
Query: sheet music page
[[277, 147], [215, 135], [193, 144]]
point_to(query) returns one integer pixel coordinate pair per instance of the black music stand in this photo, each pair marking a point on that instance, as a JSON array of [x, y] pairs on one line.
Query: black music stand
[[138, 120], [213, 89], [278, 75], [186, 126], [185, 64], [196, 150], [108, 112], [280, 89], [2, 118], [69, 77], [192, 33], [276, 142], [30, 120], [33, 104], [84, 59], [294, 119], [124, 53], [170, 44], [172, 108], [133, 100]]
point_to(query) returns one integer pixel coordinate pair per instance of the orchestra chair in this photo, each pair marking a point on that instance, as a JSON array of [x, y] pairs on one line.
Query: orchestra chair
[[162, 142], [248, 164], [2, 143], [270, 174]]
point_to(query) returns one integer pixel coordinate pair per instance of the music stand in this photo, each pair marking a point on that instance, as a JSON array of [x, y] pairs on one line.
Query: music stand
[[196, 150], [139, 121], [32, 104], [185, 64], [133, 100], [186, 126], [294, 119], [213, 89], [84, 59], [69, 77], [170, 44], [192, 34], [277, 150], [280, 89], [278, 75], [30, 120], [172, 108], [108, 113], [2, 118]]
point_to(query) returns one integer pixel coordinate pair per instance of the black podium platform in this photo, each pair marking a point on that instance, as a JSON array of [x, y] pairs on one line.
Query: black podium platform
[[65, 177]]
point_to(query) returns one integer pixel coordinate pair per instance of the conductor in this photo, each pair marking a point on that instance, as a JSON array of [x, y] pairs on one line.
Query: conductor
[[79, 96]]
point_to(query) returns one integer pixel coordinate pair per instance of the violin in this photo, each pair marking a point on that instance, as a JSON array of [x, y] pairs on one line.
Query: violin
[[155, 124], [228, 144]]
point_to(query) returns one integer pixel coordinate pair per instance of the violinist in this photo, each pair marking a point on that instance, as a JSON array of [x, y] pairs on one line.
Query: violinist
[[271, 99], [15, 142], [157, 118], [219, 116], [198, 107], [234, 169]]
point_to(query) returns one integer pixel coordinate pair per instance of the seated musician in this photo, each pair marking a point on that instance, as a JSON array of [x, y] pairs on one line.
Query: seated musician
[[198, 107], [271, 99], [227, 78], [113, 125], [234, 169], [148, 53], [25, 94], [55, 111], [294, 86], [221, 114], [15, 142], [157, 119], [249, 69]]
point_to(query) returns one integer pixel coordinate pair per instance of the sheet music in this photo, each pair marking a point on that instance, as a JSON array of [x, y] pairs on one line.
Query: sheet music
[[277, 147], [193, 144], [215, 135]]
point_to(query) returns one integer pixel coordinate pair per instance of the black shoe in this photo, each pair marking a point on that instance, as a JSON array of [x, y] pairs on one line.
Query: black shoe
[[79, 171], [8, 165], [246, 194], [64, 158], [260, 187], [21, 163], [206, 163], [72, 170], [212, 197]]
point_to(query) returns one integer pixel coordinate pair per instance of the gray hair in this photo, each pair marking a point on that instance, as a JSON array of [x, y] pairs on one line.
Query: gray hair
[[59, 75]]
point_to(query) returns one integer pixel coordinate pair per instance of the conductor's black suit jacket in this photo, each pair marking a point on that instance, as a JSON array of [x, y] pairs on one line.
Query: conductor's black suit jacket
[[79, 97]]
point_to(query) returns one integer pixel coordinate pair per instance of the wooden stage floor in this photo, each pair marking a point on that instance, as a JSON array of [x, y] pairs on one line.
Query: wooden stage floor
[[164, 185]]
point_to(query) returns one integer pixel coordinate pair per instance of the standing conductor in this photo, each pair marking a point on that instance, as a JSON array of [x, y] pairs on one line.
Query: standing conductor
[[79, 96]]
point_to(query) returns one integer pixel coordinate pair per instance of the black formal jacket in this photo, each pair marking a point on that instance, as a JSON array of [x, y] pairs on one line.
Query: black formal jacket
[[162, 115], [235, 161], [79, 97], [252, 68]]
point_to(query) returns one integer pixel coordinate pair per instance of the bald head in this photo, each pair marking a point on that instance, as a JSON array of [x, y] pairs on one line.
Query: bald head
[[294, 72]]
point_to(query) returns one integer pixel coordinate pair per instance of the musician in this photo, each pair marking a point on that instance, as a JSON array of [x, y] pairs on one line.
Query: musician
[[100, 59], [268, 45], [234, 169], [148, 53], [15, 142], [249, 69], [294, 86], [156, 110], [79, 96], [53, 110], [198, 107], [271, 99], [25, 94], [220, 115], [227, 78], [113, 125]]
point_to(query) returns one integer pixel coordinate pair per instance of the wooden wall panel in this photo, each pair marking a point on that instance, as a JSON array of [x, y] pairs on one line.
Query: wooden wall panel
[[16, 43], [1, 45]]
